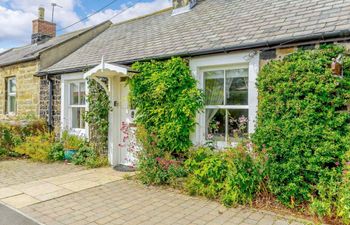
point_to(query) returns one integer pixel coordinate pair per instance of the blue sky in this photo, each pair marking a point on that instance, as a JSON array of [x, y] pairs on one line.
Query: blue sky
[[16, 15]]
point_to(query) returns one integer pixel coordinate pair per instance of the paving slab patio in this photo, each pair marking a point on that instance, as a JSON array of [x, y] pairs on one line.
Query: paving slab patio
[[27, 193]]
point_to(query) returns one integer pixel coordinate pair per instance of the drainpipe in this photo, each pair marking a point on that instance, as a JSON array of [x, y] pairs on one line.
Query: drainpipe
[[49, 119]]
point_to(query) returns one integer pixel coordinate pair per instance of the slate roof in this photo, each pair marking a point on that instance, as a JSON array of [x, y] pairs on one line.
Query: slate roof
[[211, 25], [32, 51]]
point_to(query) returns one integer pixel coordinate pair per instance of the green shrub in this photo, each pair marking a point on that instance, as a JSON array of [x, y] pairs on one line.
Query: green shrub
[[343, 203], [87, 156], [155, 166], [300, 122], [36, 147], [83, 154], [71, 141], [207, 173], [14, 133], [325, 202], [56, 152], [167, 100], [234, 175]]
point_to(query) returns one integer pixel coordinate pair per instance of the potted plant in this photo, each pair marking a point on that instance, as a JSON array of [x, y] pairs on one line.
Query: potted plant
[[71, 144]]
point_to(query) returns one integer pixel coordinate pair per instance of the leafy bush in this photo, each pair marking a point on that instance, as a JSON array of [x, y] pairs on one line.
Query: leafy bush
[[13, 133], [72, 142], [234, 175], [36, 147], [304, 131], [343, 203], [167, 100], [87, 156], [56, 152], [155, 166], [83, 154]]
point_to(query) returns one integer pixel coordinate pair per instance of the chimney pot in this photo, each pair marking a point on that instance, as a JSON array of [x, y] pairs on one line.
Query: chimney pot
[[42, 30], [182, 6], [41, 13]]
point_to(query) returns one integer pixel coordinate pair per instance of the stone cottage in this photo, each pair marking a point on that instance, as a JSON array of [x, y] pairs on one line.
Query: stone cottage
[[226, 43], [19, 85]]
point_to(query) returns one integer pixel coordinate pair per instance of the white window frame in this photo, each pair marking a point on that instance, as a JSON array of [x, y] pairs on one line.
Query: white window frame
[[199, 65], [224, 105], [66, 107], [10, 94]]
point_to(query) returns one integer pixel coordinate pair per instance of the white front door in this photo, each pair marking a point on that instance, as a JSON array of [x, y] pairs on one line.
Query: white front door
[[126, 134]]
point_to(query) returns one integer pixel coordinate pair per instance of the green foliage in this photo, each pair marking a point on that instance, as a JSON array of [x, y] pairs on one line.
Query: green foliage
[[88, 157], [72, 142], [14, 133], [56, 152], [234, 176], [167, 100], [326, 200], [36, 147], [97, 117], [300, 123], [343, 203], [155, 166]]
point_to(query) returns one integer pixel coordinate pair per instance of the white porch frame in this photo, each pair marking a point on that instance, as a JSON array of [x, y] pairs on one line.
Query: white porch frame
[[111, 72]]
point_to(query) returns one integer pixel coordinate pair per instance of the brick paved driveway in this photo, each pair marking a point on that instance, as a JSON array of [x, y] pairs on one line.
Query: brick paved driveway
[[127, 202]]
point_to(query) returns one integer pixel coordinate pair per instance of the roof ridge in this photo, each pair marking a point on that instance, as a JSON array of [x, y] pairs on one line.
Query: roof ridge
[[79, 32], [142, 17]]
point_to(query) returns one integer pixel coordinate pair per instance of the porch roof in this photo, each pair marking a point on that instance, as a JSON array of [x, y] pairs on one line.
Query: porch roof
[[108, 70]]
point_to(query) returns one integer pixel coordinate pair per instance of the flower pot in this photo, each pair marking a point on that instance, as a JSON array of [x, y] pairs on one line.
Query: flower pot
[[69, 153]]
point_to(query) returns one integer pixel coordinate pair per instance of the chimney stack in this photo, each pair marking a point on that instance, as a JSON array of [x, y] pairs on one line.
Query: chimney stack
[[182, 6], [42, 30]]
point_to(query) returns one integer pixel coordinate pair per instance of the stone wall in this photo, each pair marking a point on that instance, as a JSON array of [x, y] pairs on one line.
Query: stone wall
[[280, 53], [56, 103], [27, 94]]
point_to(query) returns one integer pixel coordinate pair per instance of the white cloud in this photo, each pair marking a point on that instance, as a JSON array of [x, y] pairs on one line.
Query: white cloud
[[16, 16], [2, 49], [126, 13]]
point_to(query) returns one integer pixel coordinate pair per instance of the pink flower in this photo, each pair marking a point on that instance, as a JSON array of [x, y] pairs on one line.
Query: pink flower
[[337, 163]]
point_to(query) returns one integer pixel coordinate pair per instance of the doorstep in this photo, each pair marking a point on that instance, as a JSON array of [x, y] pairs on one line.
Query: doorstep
[[22, 195]]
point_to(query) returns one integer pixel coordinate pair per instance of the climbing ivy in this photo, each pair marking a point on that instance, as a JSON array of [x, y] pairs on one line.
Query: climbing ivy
[[303, 124], [97, 117], [167, 101]]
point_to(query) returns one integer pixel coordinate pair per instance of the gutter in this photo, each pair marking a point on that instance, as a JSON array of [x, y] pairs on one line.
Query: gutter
[[49, 119], [20, 61], [320, 37]]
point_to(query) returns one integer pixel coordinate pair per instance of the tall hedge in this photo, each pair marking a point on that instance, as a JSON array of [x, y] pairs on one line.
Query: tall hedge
[[167, 101], [302, 122]]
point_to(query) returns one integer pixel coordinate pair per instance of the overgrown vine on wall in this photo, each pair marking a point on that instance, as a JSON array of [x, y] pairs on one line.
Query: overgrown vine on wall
[[303, 124], [167, 100], [97, 117]]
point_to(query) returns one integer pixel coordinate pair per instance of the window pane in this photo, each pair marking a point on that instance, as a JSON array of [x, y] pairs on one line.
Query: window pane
[[215, 124], [12, 104], [82, 93], [214, 87], [74, 94], [237, 87], [237, 123], [77, 118], [12, 85]]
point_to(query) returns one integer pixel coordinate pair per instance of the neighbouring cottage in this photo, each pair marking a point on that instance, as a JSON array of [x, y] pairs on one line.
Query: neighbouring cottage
[[226, 43], [20, 87]]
